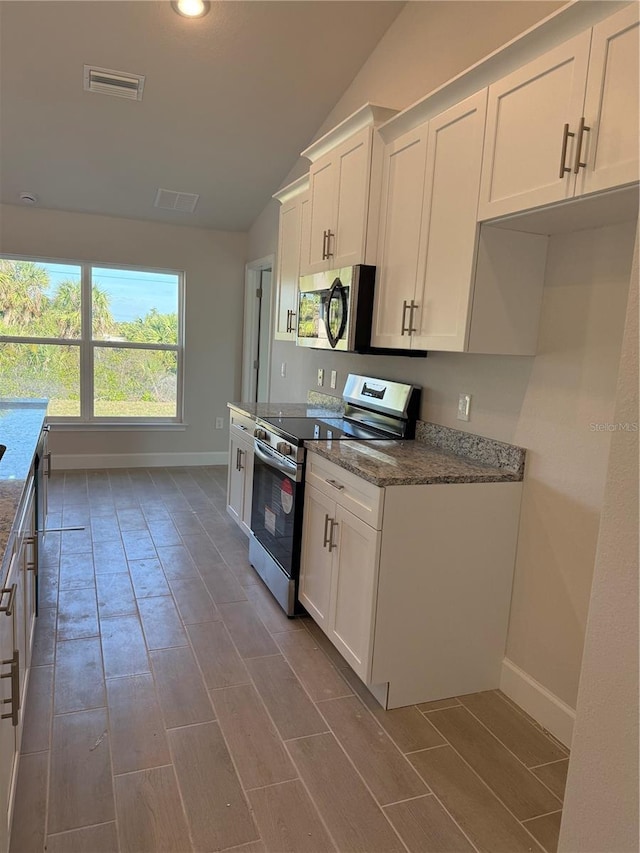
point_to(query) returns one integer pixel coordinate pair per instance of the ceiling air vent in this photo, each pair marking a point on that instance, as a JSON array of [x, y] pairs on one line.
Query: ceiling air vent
[[172, 200], [121, 84]]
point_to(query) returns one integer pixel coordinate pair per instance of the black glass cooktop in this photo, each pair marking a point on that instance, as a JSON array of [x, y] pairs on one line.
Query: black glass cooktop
[[308, 429]]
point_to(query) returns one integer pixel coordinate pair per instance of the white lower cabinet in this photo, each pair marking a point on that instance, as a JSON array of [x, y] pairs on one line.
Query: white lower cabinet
[[412, 584], [240, 478]]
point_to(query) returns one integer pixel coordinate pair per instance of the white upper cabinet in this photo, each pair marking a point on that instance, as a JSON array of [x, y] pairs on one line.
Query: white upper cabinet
[[337, 229], [566, 124], [610, 146], [293, 199], [532, 121]]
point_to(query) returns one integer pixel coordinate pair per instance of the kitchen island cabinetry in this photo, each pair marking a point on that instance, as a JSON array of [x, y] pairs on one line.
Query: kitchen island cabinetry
[[565, 124], [416, 591], [240, 480], [294, 201], [343, 193]]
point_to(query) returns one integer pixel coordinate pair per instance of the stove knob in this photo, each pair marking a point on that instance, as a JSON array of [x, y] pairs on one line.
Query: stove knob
[[260, 434], [284, 448]]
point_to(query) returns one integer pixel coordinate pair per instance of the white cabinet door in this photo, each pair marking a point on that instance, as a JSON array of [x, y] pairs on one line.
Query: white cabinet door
[[247, 494], [353, 161], [9, 696], [235, 483], [524, 145], [316, 560], [450, 229], [322, 181], [354, 590], [288, 269], [610, 146], [404, 165]]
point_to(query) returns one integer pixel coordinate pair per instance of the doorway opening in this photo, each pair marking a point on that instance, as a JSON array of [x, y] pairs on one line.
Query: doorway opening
[[256, 348]]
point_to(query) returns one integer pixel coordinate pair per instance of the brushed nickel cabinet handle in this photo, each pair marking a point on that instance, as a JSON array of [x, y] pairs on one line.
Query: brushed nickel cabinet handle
[[32, 566], [412, 307], [566, 133], [405, 305], [325, 237], [330, 234], [332, 544], [14, 700], [240, 455], [48, 469], [11, 592], [335, 484], [326, 537], [582, 128]]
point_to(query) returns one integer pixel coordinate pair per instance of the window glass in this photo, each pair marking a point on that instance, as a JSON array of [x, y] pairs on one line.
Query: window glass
[[134, 305], [29, 371], [39, 300], [134, 383]]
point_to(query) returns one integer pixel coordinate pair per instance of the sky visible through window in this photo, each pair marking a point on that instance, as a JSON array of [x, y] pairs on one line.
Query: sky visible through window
[[131, 293]]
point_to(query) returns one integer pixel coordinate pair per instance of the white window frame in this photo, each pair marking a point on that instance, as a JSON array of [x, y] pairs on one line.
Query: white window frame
[[87, 346]]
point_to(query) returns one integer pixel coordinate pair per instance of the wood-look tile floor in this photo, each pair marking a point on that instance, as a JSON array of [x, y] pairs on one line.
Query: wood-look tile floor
[[172, 706]]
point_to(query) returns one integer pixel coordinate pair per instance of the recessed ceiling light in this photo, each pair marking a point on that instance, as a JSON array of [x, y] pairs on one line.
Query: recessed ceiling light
[[191, 8]]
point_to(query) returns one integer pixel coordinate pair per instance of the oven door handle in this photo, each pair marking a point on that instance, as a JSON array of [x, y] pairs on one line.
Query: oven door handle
[[289, 469]]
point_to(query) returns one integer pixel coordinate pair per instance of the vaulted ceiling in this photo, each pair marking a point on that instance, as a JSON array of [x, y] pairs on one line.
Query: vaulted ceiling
[[229, 100]]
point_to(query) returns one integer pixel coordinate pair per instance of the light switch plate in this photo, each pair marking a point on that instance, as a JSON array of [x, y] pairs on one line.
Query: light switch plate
[[219, 423], [320, 377], [464, 404], [283, 369], [334, 378]]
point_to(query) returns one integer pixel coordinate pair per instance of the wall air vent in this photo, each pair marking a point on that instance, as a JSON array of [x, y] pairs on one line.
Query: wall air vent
[[121, 84], [172, 200]]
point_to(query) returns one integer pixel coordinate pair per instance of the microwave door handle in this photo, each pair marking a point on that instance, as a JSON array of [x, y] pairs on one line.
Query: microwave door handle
[[336, 288]]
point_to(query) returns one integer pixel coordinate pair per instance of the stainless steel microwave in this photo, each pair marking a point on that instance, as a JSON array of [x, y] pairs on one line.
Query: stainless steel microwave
[[335, 309]]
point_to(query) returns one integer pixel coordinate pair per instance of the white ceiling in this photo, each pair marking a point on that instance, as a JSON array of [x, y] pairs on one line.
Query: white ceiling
[[229, 100]]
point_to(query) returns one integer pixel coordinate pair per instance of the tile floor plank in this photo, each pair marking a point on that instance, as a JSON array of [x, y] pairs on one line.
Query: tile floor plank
[[215, 806], [546, 830], [346, 806], [289, 706], [44, 639], [437, 704], [184, 699], [77, 614], [222, 584], [80, 786], [310, 664], [123, 647], [148, 578], [28, 827], [248, 633], [483, 818], [91, 839], [288, 821], [176, 562], [193, 601], [138, 739], [515, 731], [138, 545], [425, 827], [150, 815], [36, 730], [258, 752], [516, 786], [109, 556], [76, 571], [161, 623], [407, 727], [218, 659], [269, 611], [554, 776], [79, 676], [388, 774], [115, 595]]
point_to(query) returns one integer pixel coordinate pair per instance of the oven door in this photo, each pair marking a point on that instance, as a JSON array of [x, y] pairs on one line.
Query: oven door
[[276, 506]]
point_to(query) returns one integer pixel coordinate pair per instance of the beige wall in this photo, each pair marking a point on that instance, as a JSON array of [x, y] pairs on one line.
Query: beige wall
[[601, 802], [544, 403], [213, 262]]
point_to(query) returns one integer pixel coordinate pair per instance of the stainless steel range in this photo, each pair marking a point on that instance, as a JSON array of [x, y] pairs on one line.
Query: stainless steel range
[[374, 409]]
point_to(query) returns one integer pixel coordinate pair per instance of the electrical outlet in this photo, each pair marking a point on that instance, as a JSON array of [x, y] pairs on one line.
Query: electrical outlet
[[334, 378], [219, 423], [464, 404], [320, 377], [283, 369]]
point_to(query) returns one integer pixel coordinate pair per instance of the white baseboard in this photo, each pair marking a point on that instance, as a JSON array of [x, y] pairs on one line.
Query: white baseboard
[[552, 713], [83, 461]]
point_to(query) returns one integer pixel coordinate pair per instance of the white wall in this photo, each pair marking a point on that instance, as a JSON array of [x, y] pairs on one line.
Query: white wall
[[601, 801], [544, 403], [213, 262]]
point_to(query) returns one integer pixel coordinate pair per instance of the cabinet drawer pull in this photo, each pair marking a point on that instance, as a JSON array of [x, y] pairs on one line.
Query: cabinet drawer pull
[[11, 592], [581, 131], [32, 565], [330, 234], [332, 544], [412, 307], [239, 454], [14, 675], [48, 468], [335, 484], [324, 245], [405, 305], [327, 537], [291, 321], [566, 133]]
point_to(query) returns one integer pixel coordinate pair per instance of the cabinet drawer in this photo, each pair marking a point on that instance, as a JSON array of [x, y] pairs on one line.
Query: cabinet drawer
[[362, 499], [242, 425]]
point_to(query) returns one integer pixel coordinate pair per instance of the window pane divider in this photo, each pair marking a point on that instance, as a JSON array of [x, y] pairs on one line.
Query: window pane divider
[[135, 345], [14, 339]]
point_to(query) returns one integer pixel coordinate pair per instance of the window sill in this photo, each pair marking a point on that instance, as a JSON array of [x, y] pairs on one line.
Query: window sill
[[104, 426]]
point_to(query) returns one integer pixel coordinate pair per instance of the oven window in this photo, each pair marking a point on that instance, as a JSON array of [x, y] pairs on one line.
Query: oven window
[[276, 515]]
